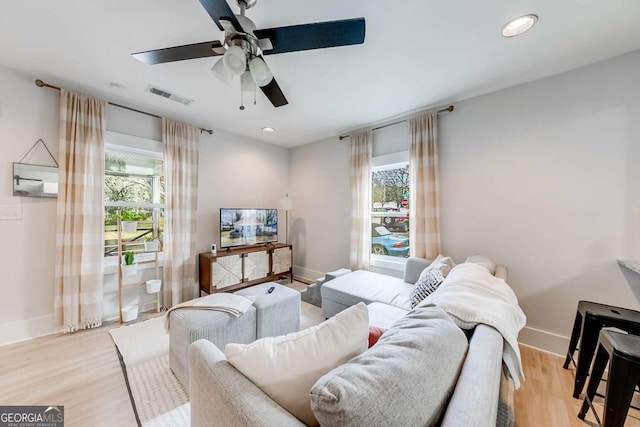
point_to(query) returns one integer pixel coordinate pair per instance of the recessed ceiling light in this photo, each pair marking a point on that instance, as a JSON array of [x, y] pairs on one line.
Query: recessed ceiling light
[[268, 129], [517, 26]]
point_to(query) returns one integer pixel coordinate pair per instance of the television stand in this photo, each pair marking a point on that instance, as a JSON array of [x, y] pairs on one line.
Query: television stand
[[238, 268]]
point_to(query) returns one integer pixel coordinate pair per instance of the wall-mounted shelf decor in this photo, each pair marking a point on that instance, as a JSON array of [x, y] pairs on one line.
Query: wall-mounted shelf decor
[[35, 180]]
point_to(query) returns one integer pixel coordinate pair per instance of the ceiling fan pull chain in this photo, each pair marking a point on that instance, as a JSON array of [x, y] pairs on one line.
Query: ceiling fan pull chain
[[241, 93]]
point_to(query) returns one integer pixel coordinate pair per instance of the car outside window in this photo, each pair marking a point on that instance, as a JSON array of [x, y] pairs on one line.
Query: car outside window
[[390, 211]]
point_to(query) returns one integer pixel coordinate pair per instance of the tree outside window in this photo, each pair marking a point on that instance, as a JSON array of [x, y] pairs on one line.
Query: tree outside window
[[134, 183], [390, 210]]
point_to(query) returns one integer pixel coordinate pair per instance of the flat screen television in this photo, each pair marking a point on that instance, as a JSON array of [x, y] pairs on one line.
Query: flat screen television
[[244, 227]]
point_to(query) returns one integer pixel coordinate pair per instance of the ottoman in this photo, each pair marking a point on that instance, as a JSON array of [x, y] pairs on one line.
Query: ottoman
[[218, 327], [278, 312]]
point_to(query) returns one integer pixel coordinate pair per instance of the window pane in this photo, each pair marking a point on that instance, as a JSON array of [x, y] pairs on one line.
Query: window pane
[[390, 211], [132, 183]]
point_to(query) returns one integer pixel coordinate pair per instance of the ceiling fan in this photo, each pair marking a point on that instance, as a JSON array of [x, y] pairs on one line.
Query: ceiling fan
[[244, 45]]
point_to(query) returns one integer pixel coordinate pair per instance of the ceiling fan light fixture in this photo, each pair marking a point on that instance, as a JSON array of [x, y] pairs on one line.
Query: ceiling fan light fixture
[[221, 72], [248, 85], [519, 25], [260, 71], [235, 60]]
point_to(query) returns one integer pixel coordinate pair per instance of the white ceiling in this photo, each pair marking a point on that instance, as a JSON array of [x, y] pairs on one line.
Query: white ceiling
[[417, 54]]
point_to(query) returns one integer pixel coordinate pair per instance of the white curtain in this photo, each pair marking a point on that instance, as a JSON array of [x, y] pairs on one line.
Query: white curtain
[[360, 161], [80, 213], [180, 214], [424, 216]]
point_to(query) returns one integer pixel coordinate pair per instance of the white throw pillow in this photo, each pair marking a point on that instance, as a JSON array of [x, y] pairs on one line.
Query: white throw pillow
[[484, 261], [442, 263], [286, 367]]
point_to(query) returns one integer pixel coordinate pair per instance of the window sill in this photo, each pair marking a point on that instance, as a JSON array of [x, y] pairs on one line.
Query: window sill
[[388, 262], [110, 264]]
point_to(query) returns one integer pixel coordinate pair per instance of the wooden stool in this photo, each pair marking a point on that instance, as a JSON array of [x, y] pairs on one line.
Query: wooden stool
[[624, 374], [591, 317]]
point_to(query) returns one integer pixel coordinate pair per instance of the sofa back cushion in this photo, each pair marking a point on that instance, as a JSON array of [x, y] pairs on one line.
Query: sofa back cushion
[[413, 267], [285, 367], [484, 261], [405, 379]]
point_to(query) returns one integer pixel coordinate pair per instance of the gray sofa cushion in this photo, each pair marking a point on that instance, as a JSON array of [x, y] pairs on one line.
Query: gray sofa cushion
[[414, 267], [374, 389], [366, 286]]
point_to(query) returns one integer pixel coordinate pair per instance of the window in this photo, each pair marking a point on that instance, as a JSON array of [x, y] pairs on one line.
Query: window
[[390, 210], [134, 182]]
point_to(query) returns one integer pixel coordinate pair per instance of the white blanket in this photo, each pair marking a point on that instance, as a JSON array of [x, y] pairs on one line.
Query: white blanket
[[233, 304], [472, 296]]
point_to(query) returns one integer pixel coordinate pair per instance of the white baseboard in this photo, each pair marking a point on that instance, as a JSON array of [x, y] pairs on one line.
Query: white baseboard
[[544, 340], [307, 273], [24, 330]]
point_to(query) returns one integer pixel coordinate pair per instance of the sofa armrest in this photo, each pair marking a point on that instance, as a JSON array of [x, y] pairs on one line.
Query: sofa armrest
[[414, 267], [222, 396], [477, 393], [501, 272]]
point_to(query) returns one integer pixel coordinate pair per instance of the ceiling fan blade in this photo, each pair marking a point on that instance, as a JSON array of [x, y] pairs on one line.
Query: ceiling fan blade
[[179, 53], [318, 35], [220, 10], [274, 93]]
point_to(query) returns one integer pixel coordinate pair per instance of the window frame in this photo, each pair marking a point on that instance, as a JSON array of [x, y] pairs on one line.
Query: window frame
[[124, 143], [378, 163]]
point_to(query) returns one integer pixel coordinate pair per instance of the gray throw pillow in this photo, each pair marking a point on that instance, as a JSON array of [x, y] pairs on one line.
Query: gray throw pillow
[[428, 282], [406, 379]]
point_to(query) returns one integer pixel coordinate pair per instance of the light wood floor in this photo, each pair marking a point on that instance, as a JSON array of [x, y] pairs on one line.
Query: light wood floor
[[545, 398], [82, 372]]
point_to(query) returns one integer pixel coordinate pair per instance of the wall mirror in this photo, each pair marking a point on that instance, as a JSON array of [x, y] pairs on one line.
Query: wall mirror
[[35, 180]]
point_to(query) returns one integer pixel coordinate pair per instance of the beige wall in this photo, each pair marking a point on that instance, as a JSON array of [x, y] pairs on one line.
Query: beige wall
[[234, 172], [543, 177]]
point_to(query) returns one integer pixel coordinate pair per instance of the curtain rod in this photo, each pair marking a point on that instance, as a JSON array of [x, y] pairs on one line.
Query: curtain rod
[[449, 109], [40, 83]]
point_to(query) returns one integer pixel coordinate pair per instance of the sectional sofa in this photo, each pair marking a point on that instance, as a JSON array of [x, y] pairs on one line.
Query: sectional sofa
[[424, 368]]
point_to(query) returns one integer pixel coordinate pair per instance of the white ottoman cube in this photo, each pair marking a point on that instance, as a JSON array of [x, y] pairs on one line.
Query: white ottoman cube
[[278, 312]]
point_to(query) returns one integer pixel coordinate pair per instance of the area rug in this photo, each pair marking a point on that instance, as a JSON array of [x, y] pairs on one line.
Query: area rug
[[157, 397]]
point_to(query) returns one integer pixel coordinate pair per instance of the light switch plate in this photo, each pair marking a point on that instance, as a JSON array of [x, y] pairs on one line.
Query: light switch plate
[[10, 212]]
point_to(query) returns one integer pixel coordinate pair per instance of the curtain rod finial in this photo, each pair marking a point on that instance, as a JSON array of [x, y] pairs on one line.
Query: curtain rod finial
[[39, 83]]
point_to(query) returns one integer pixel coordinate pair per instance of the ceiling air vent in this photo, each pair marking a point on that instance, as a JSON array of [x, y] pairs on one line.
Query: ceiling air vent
[[172, 96]]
